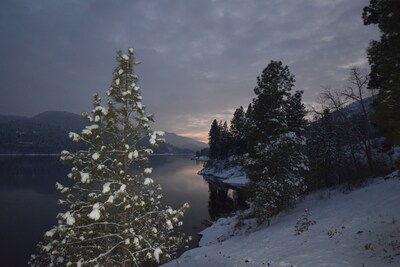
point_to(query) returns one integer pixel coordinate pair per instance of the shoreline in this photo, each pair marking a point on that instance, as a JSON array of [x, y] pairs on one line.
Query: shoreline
[[230, 174], [59, 154]]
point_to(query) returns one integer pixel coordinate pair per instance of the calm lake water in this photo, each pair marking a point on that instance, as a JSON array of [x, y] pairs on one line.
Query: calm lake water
[[28, 199]]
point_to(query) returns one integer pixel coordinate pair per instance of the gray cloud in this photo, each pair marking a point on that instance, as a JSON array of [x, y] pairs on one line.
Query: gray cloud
[[200, 58]]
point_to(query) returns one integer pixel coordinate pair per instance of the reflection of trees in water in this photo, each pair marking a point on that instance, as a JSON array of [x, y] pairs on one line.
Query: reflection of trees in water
[[219, 204]]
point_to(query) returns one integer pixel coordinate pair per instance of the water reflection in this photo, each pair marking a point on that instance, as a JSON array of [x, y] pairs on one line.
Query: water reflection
[[28, 199], [219, 204], [34, 173], [27, 203]]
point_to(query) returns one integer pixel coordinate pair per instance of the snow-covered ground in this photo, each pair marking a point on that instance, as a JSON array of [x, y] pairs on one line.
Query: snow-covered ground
[[227, 173], [357, 228]]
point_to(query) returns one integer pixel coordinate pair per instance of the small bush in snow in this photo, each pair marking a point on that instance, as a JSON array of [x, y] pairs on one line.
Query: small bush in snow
[[303, 223]]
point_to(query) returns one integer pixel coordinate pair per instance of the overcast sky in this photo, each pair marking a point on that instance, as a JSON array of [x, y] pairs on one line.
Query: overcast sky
[[200, 58]]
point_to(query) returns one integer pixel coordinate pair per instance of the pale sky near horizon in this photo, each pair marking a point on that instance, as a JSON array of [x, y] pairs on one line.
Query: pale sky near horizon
[[200, 58]]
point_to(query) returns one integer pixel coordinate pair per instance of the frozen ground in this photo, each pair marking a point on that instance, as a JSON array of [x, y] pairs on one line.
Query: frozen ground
[[357, 228], [231, 174]]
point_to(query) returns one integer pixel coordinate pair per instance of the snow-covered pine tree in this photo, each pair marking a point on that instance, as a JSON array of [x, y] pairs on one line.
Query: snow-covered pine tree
[[115, 217], [276, 162]]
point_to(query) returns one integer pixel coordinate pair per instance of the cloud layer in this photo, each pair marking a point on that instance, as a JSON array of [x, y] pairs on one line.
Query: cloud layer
[[200, 58]]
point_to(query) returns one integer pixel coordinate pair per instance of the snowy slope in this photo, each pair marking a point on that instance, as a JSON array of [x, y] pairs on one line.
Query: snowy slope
[[360, 228]]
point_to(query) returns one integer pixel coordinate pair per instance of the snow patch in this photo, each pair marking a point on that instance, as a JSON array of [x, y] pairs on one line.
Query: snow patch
[[74, 136], [122, 188], [226, 172], [148, 181], [103, 110], [85, 177], [106, 188], [95, 156], [133, 155], [50, 233], [157, 253], [148, 170], [88, 130], [169, 225], [70, 220], [95, 213]]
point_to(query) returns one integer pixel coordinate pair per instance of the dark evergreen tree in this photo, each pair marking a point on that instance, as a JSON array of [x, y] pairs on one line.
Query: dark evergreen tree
[[238, 131], [268, 116], [295, 113], [324, 151], [248, 114], [249, 122], [225, 146], [214, 139], [203, 152], [276, 159], [384, 59]]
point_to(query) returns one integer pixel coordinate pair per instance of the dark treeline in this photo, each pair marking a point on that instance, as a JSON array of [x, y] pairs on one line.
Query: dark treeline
[[285, 155], [203, 152]]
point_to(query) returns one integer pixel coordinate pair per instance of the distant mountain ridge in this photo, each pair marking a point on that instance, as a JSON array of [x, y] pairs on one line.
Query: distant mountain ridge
[[184, 142], [47, 132]]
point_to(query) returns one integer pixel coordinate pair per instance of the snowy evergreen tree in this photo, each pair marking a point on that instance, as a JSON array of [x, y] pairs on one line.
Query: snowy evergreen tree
[[276, 143], [114, 215]]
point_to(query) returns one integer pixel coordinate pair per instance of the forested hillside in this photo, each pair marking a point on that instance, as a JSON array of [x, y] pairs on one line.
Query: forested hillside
[[47, 133]]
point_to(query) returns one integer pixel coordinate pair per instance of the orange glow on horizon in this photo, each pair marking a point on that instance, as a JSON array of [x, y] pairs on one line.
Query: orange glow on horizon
[[198, 136]]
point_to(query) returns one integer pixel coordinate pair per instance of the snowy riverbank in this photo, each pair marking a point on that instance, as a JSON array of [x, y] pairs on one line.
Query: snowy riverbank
[[226, 172], [357, 228]]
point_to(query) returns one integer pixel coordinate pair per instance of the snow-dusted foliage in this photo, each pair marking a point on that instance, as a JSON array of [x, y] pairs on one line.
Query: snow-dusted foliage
[[276, 169], [114, 215], [303, 223], [276, 161]]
